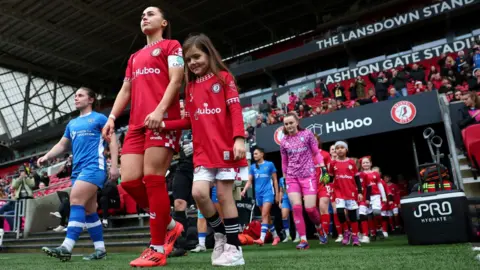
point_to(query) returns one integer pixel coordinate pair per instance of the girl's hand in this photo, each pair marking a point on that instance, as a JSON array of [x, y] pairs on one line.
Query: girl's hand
[[108, 130], [239, 149], [154, 120]]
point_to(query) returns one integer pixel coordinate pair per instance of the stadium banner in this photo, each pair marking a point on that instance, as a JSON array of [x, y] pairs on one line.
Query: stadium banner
[[306, 51], [401, 60], [402, 113], [394, 22]]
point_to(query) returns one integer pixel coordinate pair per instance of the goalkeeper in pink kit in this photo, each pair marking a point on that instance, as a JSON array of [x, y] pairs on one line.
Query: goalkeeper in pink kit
[[299, 150]]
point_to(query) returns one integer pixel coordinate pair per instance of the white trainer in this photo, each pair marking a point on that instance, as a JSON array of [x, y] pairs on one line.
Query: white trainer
[[220, 241], [364, 239], [231, 256], [339, 239], [385, 234], [198, 249], [59, 228], [2, 232]]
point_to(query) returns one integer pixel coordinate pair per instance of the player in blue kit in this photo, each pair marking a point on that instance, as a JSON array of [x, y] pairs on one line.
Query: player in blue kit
[[84, 135], [264, 174], [286, 208]]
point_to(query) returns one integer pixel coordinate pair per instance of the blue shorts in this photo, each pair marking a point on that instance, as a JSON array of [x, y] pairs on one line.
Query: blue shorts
[[90, 175], [214, 195], [264, 198], [286, 203], [199, 214]]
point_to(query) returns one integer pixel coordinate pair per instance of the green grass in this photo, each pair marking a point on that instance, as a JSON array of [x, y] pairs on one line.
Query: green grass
[[393, 253]]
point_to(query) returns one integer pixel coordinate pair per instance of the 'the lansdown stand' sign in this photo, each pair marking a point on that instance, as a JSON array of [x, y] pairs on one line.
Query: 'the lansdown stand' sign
[[412, 111]]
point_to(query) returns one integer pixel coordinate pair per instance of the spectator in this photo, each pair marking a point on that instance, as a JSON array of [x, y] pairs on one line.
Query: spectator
[[433, 72], [457, 96], [45, 179], [360, 87], [393, 94], [352, 91], [418, 88], [323, 88], [476, 56], [332, 105], [340, 105], [471, 111], [260, 123], [446, 87], [284, 107], [63, 211], [430, 87], [417, 74], [452, 78], [274, 100], [324, 109], [292, 99], [309, 94], [474, 81], [36, 177], [399, 80], [41, 186], [461, 60], [265, 108], [437, 81], [66, 170], [302, 112], [338, 92], [108, 198], [381, 84], [250, 130]]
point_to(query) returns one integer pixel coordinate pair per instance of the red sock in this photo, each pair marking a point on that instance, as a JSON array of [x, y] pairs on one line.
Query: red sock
[[346, 226], [365, 227], [391, 222], [385, 224], [325, 218], [378, 222], [397, 221], [337, 223], [371, 225], [354, 226], [159, 207], [136, 190]]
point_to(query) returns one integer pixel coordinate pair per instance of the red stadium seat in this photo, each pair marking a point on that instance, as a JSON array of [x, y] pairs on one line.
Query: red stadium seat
[[475, 154], [471, 140]]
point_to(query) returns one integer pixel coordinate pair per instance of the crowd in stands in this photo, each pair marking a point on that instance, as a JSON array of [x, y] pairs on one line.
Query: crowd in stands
[[450, 74]]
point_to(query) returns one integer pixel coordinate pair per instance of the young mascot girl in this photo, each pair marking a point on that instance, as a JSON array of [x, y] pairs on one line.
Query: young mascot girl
[[299, 150], [214, 114]]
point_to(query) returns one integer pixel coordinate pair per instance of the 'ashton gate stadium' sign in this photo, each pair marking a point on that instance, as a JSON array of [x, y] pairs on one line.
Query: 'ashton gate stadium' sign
[[395, 22]]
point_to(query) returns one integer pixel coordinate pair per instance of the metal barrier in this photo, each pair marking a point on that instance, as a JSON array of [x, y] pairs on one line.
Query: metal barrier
[[19, 210]]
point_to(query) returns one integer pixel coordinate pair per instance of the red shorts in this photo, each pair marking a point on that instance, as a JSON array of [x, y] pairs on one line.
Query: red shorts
[[325, 191], [139, 139]]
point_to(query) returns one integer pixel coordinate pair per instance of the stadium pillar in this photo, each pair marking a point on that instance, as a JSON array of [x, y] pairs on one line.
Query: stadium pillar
[[54, 107], [26, 103], [4, 125]]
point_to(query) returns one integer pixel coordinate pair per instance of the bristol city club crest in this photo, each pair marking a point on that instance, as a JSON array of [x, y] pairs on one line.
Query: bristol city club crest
[[403, 112], [156, 52], [278, 135], [216, 88]]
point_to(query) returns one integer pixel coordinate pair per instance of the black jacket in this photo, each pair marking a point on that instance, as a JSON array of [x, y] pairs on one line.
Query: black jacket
[[466, 120]]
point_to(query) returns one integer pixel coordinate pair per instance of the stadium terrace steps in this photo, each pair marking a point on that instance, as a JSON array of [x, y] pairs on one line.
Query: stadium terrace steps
[[130, 239]]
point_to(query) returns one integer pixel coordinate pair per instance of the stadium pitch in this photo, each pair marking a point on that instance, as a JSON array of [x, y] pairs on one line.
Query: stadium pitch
[[389, 254]]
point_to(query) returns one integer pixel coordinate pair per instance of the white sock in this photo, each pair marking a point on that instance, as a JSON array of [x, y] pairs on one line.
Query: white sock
[[297, 236], [287, 233], [274, 233], [171, 225], [158, 248], [68, 244], [262, 236], [201, 241], [100, 245], [303, 238]]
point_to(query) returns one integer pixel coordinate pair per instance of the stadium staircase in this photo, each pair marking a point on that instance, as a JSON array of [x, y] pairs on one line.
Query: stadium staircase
[[131, 239]]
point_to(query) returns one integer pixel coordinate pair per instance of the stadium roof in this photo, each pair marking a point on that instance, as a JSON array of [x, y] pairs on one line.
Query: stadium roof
[[89, 41]]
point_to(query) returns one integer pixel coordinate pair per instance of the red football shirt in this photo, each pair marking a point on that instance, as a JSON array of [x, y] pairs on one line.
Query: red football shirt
[[343, 172], [370, 179], [326, 157], [396, 192], [147, 70], [212, 109]]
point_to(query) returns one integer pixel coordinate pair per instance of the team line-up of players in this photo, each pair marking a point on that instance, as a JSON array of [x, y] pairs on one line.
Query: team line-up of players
[[355, 189]]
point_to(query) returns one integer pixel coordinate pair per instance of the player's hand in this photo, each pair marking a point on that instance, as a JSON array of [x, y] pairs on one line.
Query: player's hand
[[108, 130], [114, 173], [154, 120], [239, 148], [42, 160], [188, 149], [360, 197], [325, 177], [278, 199], [367, 202], [243, 193]]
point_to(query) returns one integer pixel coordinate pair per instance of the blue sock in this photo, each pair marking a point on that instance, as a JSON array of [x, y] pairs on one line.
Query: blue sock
[[272, 230], [76, 221], [263, 231], [95, 230], [201, 238], [286, 224]]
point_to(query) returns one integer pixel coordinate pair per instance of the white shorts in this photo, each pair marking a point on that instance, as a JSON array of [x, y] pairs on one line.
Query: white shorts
[[387, 213], [211, 174], [375, 202], [348, 204], [395, 211]]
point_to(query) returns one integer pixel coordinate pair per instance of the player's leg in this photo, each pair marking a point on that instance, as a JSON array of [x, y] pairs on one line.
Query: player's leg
[[95, 230], [286, 220], [310, 189], [80, 194], [363, 213], [397, 218], [132, 166], [352, 212], [323, 205], [182, 190], [264, 223], [295, 196], [342, 219], [267, 208], [202, 179], [202, 233], [232, 254], [215, 202]]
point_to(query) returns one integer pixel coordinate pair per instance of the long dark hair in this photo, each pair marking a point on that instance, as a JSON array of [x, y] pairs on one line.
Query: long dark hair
[[91, 94], [203, 43], [294, 115], [261, 150], [476, 99], [167, 32]]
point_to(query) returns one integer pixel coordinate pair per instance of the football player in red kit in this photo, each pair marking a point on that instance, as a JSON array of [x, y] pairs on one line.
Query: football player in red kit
[[374, 195], [348, 191], [336, 222], [385, 205], [324, 189], [393, 209], [152, 82], [214, 114]]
